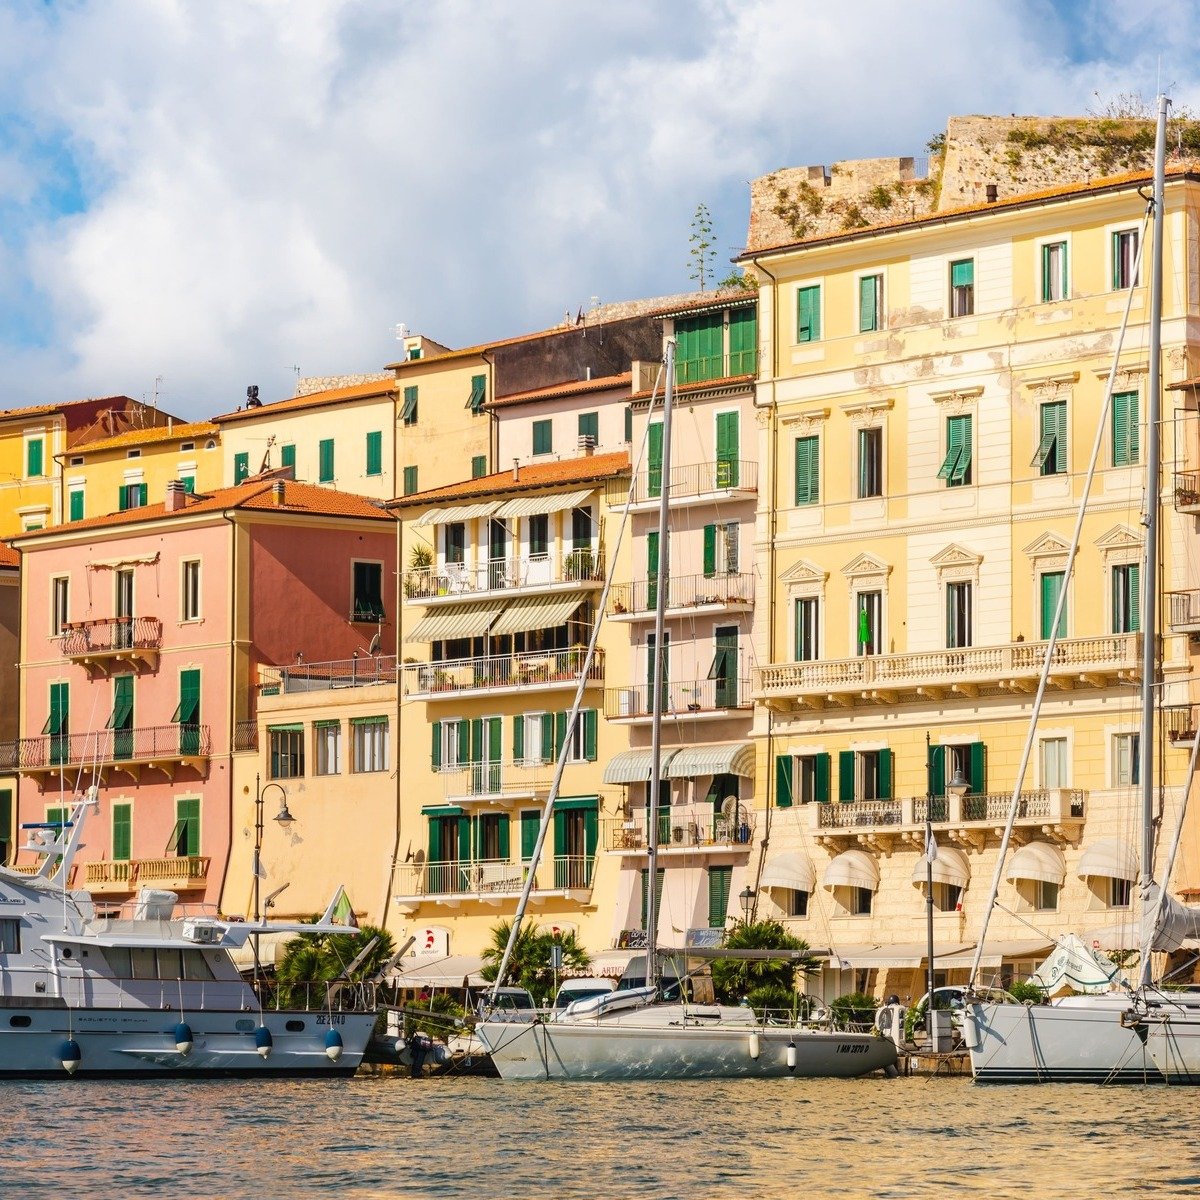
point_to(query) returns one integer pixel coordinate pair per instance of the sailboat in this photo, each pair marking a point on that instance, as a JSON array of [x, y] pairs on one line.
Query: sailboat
[[1130, 1034], [649, 1028]]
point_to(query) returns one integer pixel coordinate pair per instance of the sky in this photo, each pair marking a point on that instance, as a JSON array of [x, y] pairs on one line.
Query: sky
[[200, 195]]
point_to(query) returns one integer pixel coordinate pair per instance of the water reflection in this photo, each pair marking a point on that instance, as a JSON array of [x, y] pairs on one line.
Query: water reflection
[[483, 1138]]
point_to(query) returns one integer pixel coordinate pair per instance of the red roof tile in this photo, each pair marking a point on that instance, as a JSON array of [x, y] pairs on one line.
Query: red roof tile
[[145, 437], [358, 391], [8, 556], [576, 387], [36, 410], [685, 389]]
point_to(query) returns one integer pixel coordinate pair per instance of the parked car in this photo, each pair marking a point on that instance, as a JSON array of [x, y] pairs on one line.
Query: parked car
[[512, 1004], [581, 989]]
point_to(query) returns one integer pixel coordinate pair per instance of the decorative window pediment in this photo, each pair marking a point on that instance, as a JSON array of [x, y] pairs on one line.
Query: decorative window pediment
[[956, 563], [867, 566], [1121, 544], [804, 579], [1050, 552]]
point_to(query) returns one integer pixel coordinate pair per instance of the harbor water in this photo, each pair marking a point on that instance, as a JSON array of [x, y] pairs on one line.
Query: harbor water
[[477, 1138]]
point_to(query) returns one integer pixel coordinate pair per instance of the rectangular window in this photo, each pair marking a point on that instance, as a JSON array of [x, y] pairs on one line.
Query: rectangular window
[[958, 615], [132, 495], [1124, 259], [870, 463], [808, 470], [956, 466], [6, 841], [368, 591], [241, 467], [1127, 765], [1054, 762], [327, 741], [75, 499], [654, 458], [728, 449], [543, 437], [1045, 895], [479, 466], [962, 287], [410, 481], [120, 720], [35, 450], [408, 413], [1054, 272], [478, 396], [533, 738], [60, 601], [539, 535], [58, 724], [287, 751], [325, 460], [581, 737], [185, 837], [808, 629], [629, 422], [188, 479], [720, 549], [454, 540], [720, 884], [1119, 893], [122, 832], [812, 783], [287, 455], [808, 314], [700, 345], [190, 606], [1126, 429], [375, 452], [1051, 456], [370, 744], [1126, 598], [589, 426], [870, 303], [1052, 583], [870, 623], [187, 714]]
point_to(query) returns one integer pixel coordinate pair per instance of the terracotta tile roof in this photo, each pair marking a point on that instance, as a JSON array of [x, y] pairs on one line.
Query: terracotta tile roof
[[147, 437], [577, 387], [685, 389], [699, 301], [535, 475], [1194, 381], [1107, 184], [301, 499], [37, 410], [358, 391], [8, 556]]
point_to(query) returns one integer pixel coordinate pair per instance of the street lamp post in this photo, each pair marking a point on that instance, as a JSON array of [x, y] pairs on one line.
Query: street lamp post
[[746, 896], [283, 817]]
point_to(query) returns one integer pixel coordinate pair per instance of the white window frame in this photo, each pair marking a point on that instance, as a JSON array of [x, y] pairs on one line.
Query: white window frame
[[1124, 758], [1057, 239], [1110, 233], [327, 737], [369, 752], [190, 606], [535, 754], [881, 291], [1056, 739], [577, 740], [802, 285], [60, 604]]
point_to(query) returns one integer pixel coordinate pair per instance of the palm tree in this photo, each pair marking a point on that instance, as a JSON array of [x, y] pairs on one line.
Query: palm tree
[[319, 958], [529, 965], [734, 979]]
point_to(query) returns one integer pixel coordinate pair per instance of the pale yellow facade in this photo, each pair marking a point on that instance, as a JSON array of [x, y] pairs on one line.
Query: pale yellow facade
[[913, 583], [29, 478]]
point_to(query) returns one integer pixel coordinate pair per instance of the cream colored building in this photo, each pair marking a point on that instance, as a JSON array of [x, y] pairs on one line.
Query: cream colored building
[[930, 391]]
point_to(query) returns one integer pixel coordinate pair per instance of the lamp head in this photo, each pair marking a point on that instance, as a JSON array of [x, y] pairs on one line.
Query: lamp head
[[284, 817], [958, 785]]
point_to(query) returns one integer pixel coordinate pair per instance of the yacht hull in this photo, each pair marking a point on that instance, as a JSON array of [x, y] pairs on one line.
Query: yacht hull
[[1174, 1045], [135, 1042], [1079, 1042], [603, 1051]]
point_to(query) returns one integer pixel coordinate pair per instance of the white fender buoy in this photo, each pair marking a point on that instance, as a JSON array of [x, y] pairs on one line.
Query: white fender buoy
[[183, 1038], [263, 1041], [791, 1056], [755, 1046], [333, 1045]]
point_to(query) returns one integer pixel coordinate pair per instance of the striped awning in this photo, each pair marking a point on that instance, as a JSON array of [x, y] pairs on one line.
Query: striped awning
[[536, 612], [950, 866], [534, 506], [1109, 858], [793, 871], [464, 512], [633, 766], [455, 621], [1040, 861], [852, 868], [726, 758], [994, 953]]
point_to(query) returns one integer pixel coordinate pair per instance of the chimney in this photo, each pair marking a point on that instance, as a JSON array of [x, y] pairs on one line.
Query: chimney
[[277, 493], [992, 192], [516, 470], [587, 444], [176, 496]]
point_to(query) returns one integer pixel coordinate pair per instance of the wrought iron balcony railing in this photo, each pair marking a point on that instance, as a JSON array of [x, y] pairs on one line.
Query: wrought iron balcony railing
[[531, 573], [493, 877], [720, 591], [534, 669], [693, 697], [154, 745], [117, 639], [697, 480]]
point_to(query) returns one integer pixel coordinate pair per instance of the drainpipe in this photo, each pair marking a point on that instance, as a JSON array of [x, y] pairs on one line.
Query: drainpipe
[[493, 418], [62, 485], [228, 515], [387, 896]]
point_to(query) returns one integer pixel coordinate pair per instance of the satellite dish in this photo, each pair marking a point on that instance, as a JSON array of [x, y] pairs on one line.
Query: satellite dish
[[373, 648]]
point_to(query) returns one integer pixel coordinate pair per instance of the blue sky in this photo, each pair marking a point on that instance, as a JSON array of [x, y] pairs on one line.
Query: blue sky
[[226, 192]]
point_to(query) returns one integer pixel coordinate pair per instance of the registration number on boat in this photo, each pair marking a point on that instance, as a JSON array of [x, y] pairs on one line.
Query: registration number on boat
[[331, 1018], [853, 1049]]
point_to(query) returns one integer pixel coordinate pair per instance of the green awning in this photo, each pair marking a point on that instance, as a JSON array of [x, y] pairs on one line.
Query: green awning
[[633, 766], [442, 810], [573, 802], [456, 621], [727, 758]]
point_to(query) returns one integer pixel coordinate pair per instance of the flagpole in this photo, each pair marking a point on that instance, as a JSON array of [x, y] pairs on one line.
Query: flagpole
[[929, 886]]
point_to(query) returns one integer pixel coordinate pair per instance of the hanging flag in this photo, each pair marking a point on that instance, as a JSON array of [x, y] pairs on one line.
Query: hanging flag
[[259, 869], [930, 846], [340, 910], [864, 627]]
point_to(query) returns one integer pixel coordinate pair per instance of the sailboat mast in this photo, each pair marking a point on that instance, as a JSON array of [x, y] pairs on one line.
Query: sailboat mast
[[1149, 583], [658, 671]]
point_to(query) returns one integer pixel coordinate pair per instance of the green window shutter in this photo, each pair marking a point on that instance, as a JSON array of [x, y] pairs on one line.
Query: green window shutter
[[435, 839], [1126, 435], [464, 838], [375, 452], [978, 767], [142, 494], [408, 413], [476, 752], [6, 825], [654, 459], [868, 312], [463, 742], [479, 466], [822, 778], [808, 470], [60, 709], [543, 437], [785, 766], [34, 458], [589, 426], [885, 775], [436, 752], [659, 875], [122, 832], [560, 731], [325, 460], [560, 832], [962, 273], [1052, 585], [122, 499], [241, 467], [410, 481], [287, 455], [728, 449], [478, 396], [845, 776], [719, 882], [547, 736], [1047, 267], [76, 513], [1134, 575], [518, 741], [189, 484], [743, 342], [956, 467], [652, 568], [122, 711], [188, 712], [937, 770], [710, 551], [1116, 263], [502, 845], [589, 734], [530, 823], [187, 821], [808, 314]]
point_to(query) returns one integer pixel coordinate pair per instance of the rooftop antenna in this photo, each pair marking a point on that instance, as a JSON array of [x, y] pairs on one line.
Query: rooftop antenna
[[401, 332], [252, 400]]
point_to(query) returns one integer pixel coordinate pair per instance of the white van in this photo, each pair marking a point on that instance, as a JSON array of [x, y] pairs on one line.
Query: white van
[[580, 989]]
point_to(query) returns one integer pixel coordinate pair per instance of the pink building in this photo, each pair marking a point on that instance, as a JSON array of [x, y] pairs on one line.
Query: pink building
[[142, 637]]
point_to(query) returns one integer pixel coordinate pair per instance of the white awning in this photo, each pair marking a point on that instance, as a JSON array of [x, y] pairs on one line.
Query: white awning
[[1040, 861], [728, 758], [950, 866], [114, 564], [455, 621], [1110, 858], [464, 512], [994, 954], [852, 868], [794, 871], [1113, 937], [536, 612], [453, 970], [534, 506], [633, 766], [900, 954], [270, 950]]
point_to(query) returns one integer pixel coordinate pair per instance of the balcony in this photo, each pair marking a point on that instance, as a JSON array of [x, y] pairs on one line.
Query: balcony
[[177, 874], [934, 674], [360, 671], [102, 646], [1187, 491], [245, 735], [697, 483], [1056, 813], [544, 670], [705, 699], [161, 747], [687, 596], [536, 574], [680, 831], [1183, 610], [497, 783], [1179, 722], [492, 881]]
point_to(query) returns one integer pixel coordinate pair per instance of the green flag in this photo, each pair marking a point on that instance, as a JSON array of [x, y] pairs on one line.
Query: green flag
[[864, 627]]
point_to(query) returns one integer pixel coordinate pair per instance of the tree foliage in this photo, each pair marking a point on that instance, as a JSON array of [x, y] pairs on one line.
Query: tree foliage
[[319, 958], [529, 966], [700, 247], [734, 979]]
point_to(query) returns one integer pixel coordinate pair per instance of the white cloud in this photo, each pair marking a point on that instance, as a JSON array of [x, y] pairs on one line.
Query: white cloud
[[277, 184]]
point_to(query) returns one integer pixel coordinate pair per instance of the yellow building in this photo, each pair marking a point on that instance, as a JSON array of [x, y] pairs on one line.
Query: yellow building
[[929, 395]]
